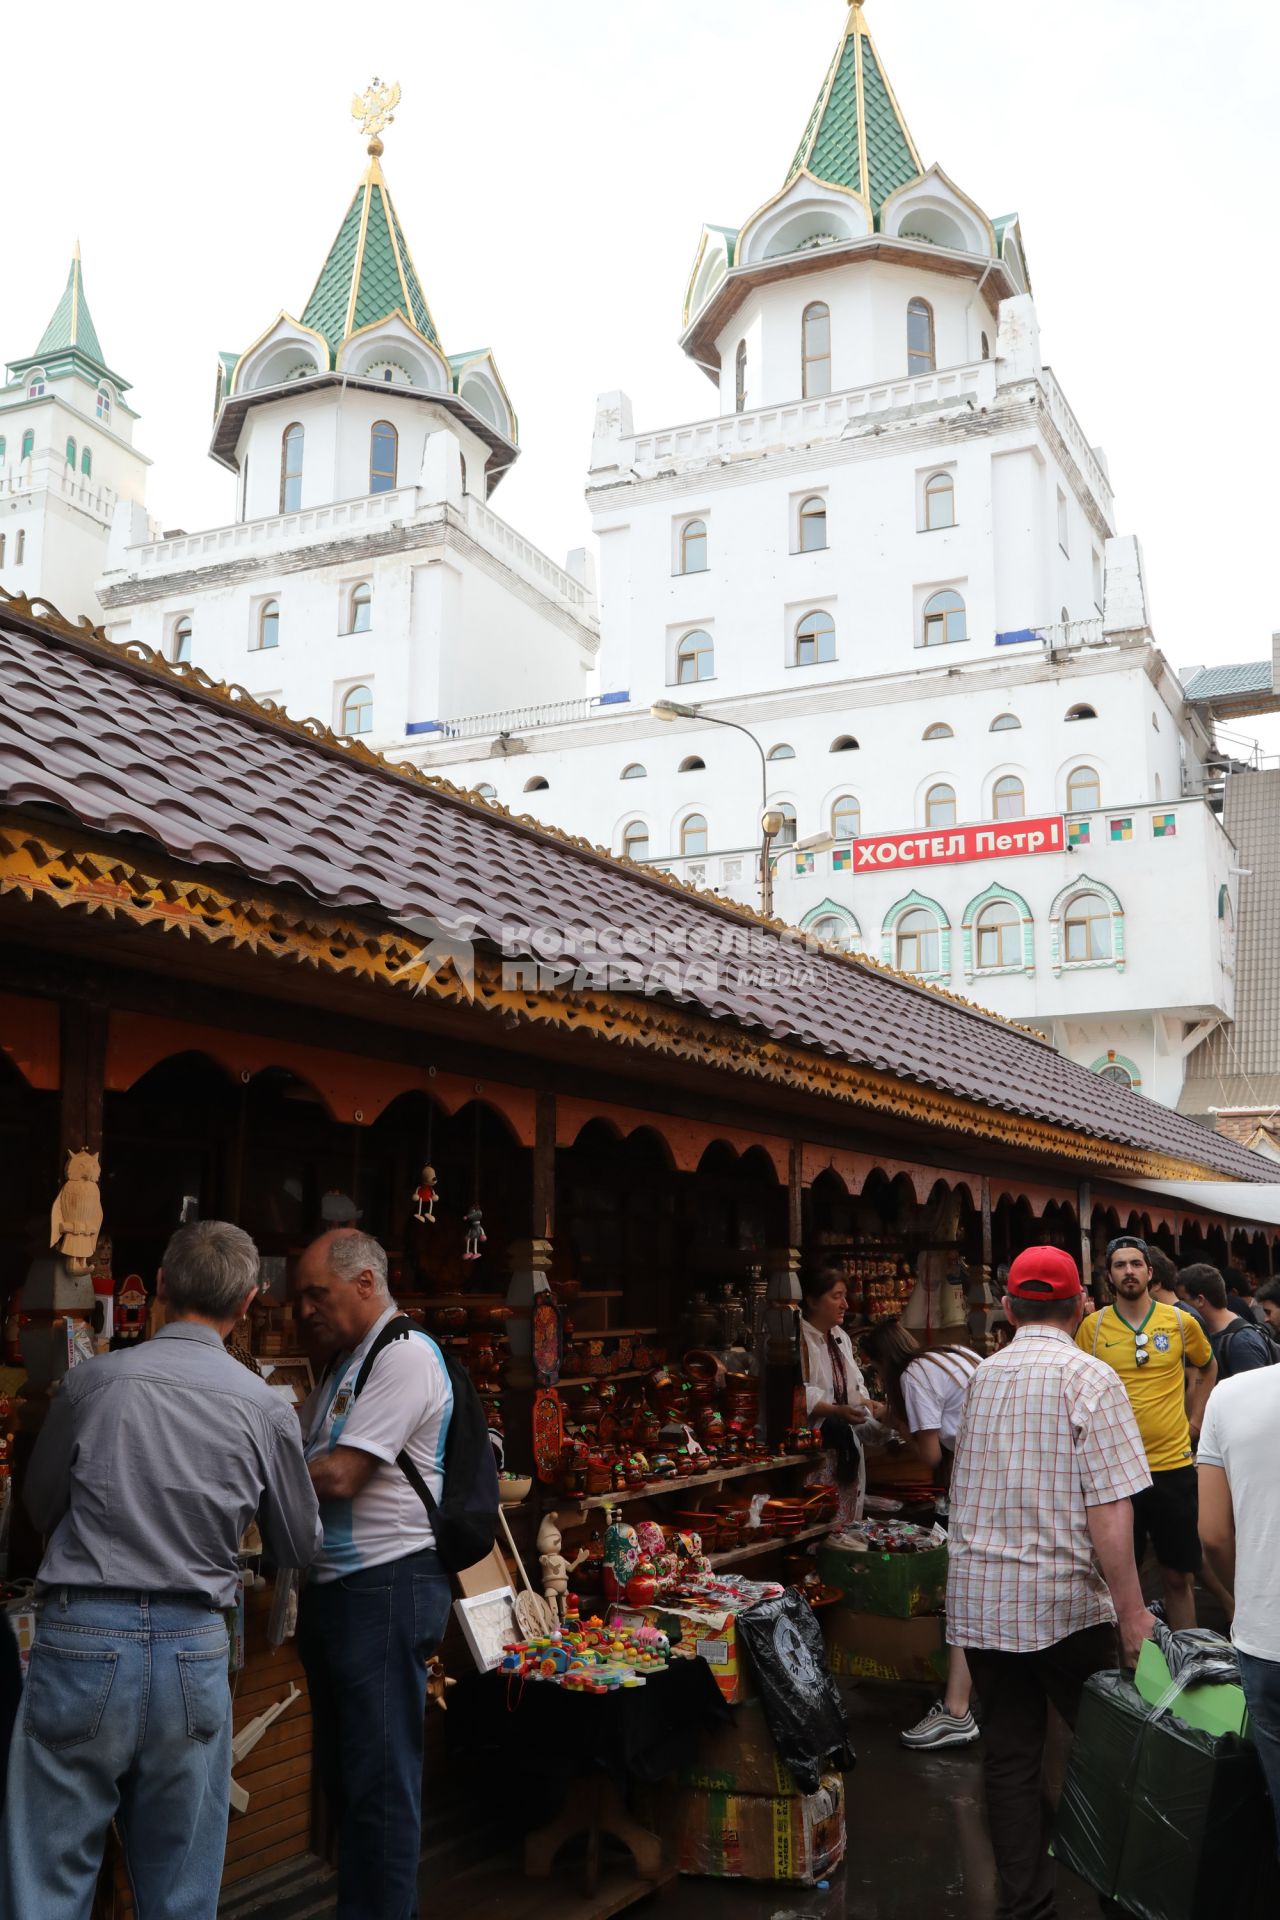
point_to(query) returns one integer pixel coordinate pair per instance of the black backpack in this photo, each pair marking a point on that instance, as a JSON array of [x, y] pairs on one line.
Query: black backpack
[[1224, 1351], [465, 1519]]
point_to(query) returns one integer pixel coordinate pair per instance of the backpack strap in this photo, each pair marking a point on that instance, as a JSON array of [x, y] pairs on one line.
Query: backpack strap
[[398, 1328]]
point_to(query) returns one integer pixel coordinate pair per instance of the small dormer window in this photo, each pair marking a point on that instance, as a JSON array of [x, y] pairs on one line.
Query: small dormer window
[[102, 404], [35, 386]]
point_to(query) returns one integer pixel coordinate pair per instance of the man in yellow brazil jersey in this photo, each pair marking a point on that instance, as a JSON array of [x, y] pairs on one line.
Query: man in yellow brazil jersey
[[1167, 1366]]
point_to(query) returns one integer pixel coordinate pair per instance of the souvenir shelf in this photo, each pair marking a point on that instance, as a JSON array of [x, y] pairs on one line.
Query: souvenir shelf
[[733, 1556], [655, 1489]]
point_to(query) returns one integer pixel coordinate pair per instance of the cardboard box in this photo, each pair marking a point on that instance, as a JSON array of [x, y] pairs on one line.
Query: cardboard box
[[712, 1636], [793, 1837], [897, 1586], [739, 1758], [1218, 1709], [867, 1646]]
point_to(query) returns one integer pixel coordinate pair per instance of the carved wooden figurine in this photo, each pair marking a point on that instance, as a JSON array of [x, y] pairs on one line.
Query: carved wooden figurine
[[425, 1196], [77, 1212], [555, 1568]]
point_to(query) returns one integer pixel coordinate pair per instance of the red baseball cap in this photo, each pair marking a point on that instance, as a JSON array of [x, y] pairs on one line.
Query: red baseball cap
[[1044, 1273]]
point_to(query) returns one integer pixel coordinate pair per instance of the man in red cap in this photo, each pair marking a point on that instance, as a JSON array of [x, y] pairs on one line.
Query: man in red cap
[[1047, 1461]]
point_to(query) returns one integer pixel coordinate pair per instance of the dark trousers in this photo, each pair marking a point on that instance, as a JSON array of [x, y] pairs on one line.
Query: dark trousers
[[1261, 1682], [364, 1641], [1016, 1691]]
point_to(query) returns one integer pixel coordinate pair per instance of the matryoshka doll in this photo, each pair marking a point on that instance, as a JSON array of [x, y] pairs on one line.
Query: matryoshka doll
[[621, 1556]]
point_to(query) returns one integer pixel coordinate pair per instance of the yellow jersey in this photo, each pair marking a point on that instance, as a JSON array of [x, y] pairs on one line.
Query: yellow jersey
[[1157, 1389]]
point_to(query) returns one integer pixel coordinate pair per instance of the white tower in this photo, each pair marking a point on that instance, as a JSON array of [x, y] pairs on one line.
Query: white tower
[[67, 461]]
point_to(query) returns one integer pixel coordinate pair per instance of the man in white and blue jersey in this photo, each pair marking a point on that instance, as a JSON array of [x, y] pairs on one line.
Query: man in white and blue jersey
[[377, 1601]]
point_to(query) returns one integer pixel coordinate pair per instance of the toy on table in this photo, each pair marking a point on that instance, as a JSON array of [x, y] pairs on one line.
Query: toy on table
[[555, 1568], [588, 1656]]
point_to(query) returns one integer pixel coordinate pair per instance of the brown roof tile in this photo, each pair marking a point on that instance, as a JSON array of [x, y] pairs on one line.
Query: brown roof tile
[[126, 748]]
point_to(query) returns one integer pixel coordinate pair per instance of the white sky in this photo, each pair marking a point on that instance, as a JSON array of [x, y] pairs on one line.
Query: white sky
[[552, 164]]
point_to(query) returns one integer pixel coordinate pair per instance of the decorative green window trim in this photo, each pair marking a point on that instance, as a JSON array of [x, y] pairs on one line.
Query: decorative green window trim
[[28, 443], [3, 446], [1060, 903], [1113, 1059], [889, 933], [831, 909], [984, 899], [71, 453]]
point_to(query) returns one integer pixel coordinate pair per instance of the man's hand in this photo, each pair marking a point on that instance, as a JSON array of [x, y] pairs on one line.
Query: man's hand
[[1134, 1630]]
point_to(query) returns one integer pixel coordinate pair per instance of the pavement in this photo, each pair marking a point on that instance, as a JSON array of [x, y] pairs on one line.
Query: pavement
[[918, 1846]]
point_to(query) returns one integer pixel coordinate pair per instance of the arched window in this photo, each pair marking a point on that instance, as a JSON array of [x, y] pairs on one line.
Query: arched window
[[485, 791], [71, 453], [86, 464], [939, 502], [786, 834], [695, 659], [815, 350], [383, 444], [846, 818], [182, 638], [916, 944], [268, 625], [291, 446], [634, 772], [102, 403], [693, 546], [357, 710], [28, 443], [635, 840], [944, 619], [1084, 790], [1005, 723], [815, 639], [998, 936], [19, 546], [694, 763], [835, 929], [3, 544], [693, 834], [938, 731], [1115, 1072], [782, 752], [1008, 798], [986, 347], [35, 386], [920, 355], [740, 378], [940, 806], [843, 743], [360, 608], [1082, 712], [538, 784], [813, 525], [4, 445], [1086, 929]]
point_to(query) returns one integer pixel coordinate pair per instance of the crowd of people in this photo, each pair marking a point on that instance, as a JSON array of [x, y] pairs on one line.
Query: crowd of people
[[1084, 1437]]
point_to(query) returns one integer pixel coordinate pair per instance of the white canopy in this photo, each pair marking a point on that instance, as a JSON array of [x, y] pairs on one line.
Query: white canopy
[[1236, 1199]]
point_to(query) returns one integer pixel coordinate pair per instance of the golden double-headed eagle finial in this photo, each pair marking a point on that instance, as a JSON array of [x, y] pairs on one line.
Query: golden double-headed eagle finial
[[375, 110]]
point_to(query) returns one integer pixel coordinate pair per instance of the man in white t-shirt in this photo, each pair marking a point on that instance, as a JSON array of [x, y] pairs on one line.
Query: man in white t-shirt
[[1240, 1532], [377, 1602]]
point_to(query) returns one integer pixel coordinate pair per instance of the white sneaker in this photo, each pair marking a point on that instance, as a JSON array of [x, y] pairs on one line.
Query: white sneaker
[[941, 1729]]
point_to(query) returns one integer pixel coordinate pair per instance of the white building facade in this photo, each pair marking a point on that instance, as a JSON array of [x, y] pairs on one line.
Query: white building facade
[[68, 465], [890, 556], [366, 580]]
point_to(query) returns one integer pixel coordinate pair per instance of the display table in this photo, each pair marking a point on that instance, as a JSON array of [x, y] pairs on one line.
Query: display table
[[560, 1762]]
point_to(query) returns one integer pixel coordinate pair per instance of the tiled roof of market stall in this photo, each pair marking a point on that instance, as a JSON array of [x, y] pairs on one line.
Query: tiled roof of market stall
[[128, 745]]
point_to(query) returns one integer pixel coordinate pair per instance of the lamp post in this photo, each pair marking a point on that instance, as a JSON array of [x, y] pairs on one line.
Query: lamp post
[[771, 823]]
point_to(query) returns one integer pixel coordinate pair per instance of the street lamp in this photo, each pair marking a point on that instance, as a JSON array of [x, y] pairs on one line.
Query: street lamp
[[771, 823]]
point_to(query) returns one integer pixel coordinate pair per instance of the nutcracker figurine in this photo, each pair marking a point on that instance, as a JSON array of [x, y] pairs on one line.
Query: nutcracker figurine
[[131, 1309]]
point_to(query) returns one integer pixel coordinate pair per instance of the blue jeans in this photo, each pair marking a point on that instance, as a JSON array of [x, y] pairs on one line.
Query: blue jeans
[[364, 1641], [1261, 1682], [126, 1714]]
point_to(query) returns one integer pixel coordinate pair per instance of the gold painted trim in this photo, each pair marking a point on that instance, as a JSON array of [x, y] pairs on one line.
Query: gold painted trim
[[912, 148], [357, 264], [833, 74], [34, 865], [371, 326], [486, 359], [828, 186], [288, 320], [75, 295], [913, 186], [859, 93]]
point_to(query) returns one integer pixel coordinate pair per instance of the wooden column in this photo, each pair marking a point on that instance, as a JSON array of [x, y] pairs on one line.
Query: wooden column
[[529, 1263], [1085, 1204]]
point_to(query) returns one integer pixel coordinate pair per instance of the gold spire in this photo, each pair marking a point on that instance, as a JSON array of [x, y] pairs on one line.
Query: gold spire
[[375, 110]]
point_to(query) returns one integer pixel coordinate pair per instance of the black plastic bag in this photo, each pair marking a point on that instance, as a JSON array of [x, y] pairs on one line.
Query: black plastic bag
[[1197, 1657], [1171, 1822], [802, 1703]]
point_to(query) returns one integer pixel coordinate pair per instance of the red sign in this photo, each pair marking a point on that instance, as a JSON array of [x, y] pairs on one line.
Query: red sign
[[993, 840]]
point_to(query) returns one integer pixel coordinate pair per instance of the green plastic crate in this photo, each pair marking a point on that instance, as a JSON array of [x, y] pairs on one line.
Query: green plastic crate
[[896, 1585]]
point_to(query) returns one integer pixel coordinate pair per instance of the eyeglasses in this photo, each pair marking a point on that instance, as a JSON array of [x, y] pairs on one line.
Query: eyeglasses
[[1140, 1353]]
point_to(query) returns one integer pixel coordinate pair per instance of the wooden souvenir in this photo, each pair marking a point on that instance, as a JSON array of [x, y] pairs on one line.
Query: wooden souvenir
[[548, 1339], [77, 1212], [548, 1434], [131, 1308]]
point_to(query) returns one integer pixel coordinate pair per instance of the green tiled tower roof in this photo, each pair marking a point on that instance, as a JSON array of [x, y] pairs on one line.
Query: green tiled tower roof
[[856, 137], [369, 274], [71, 336]]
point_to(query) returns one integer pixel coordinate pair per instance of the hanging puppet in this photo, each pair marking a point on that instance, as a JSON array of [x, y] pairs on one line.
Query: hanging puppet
[[425, 1196]]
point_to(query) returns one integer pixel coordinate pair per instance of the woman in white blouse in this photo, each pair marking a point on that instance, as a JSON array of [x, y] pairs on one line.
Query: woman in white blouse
[[834, 1390]]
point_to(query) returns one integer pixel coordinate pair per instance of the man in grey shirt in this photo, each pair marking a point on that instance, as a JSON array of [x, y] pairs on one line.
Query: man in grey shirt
[[150, 1466]]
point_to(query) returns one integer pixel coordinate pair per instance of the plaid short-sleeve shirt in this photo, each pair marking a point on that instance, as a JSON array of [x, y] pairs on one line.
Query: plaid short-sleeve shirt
[[1047, 1433]]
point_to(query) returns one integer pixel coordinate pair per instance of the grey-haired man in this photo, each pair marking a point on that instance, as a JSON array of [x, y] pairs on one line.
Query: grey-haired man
[[151, 1464]]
